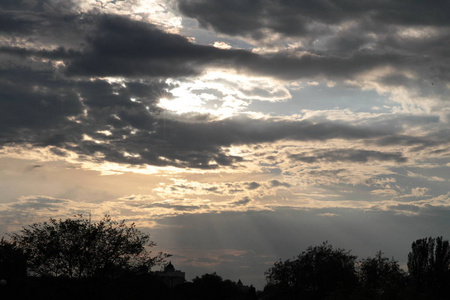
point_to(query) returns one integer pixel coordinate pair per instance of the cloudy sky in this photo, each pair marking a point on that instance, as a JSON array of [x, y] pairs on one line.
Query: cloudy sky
[[235, 132]]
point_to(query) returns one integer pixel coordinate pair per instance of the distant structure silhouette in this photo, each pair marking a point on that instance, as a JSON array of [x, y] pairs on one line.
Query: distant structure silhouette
[[170, 276], [244, 288]]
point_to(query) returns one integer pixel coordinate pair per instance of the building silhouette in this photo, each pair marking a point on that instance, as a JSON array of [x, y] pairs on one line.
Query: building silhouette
[[170, 276]]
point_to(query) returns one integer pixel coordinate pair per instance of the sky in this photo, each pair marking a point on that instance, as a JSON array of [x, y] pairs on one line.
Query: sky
[[235, 132]]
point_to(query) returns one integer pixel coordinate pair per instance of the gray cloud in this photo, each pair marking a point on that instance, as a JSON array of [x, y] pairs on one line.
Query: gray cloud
[[39, 203], [244, 201], [175, 206], [252, 185], [16, 23], [34, 102], [123, 47], [135, 130], [48, 6], [405, 207], [60, 53], [117, 46], [48, 105], [214, 189], [106, 45], [348, 155], [300, 18], [276, 183], [340, 39], [44, 108]]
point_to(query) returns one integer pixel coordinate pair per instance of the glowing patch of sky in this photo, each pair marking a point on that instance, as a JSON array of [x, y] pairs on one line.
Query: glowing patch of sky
[[222, 94]]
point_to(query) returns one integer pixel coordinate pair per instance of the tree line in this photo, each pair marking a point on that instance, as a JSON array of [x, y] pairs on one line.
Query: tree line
[[325, 272], [80, 259]]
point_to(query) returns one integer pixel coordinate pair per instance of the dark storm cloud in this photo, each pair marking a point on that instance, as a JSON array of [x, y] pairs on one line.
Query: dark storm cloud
[[45, 26], [108, 45], [300, 18], [327, 66], [38, 5], [117, 46], [34, 101], [40, 107], [37, 111], [123, 47], [50, 97], [348, 155], [340, 39], [198, 144], [16, 23], [60, 53], [243, 130], [37, 108]]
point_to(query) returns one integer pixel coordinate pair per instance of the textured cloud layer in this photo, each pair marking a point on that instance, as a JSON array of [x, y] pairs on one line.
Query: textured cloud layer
[[50, 96]]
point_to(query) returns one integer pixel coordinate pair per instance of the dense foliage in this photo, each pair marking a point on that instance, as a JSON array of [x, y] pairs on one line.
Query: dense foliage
[[79, 248], [13, 265], [317, 272], [212, 286], [380, 277], [428, 265], [323, 272]]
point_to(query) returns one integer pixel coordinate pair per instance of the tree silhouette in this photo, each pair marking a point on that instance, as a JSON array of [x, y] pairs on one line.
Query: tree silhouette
[[429, 262], [12, 261], [78, 248], [212, 286], [317, 272], [381, 277]]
